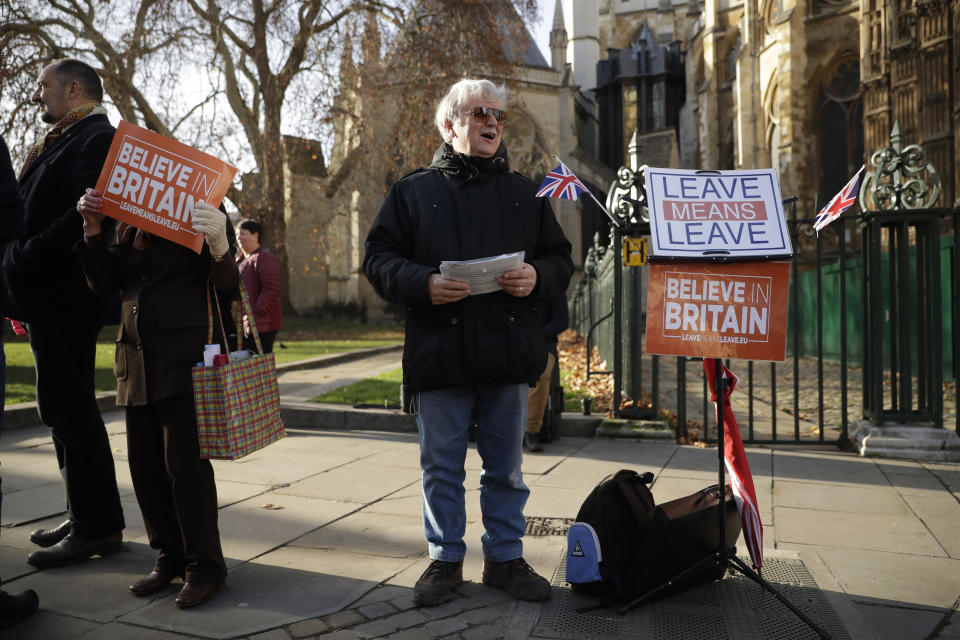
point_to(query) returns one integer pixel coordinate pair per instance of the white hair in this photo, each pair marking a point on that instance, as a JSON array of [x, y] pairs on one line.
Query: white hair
[[459, 96]]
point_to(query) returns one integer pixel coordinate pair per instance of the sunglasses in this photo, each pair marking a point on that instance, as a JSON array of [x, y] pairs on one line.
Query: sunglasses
[[482, 114]]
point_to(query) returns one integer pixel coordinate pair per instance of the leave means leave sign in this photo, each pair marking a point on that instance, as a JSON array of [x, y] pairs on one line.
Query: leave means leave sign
[[702, 214], [153, 182]]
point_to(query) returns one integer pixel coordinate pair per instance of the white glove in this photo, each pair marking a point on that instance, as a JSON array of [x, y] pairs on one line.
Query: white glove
[[211, 222]]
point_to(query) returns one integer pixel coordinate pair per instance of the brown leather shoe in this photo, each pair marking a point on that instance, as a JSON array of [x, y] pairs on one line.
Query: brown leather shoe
[[196, 593], [154, 582], [49, 537], [74, 548]]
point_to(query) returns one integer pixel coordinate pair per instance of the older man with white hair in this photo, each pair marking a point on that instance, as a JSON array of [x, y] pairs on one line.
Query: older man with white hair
[[470, 356]]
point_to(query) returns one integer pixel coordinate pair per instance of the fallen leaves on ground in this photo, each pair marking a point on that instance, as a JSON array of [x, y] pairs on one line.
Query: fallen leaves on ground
[[572, 348]]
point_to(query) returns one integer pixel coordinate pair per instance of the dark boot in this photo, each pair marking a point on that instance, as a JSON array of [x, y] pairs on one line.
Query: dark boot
[[193, 594], [50, 537], [74, 548], [517, 578], [155, 581], [531, 442], [437, 583], [14, 608]]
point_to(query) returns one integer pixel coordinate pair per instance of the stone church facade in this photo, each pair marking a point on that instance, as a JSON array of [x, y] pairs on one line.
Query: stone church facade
[[809, 87]]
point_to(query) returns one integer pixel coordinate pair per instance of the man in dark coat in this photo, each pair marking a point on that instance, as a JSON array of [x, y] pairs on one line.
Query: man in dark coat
[[13, 608], [50, 295], [470, 355]]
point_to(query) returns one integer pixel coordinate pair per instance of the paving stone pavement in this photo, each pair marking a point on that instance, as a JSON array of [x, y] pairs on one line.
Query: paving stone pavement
[[323, 535]]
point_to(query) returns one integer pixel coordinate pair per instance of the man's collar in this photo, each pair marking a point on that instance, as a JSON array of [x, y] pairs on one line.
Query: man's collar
[[86, 109]]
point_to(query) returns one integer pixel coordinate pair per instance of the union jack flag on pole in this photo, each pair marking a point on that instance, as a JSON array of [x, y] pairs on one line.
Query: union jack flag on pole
[[561, 183], [839, 203], [735, 460]]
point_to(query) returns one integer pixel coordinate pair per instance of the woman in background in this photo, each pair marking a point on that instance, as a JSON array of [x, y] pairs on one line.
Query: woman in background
[[260, 273]]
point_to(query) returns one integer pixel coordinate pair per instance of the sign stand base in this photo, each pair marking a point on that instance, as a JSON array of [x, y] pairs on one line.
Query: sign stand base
[[723, 555]]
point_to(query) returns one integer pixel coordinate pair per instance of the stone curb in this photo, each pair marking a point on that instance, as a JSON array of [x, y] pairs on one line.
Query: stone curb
[[906, 442], [636, 429], [317, 415], [26, 414]]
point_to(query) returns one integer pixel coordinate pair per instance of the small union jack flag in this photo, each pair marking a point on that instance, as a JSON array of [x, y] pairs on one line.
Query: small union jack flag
[[839, 203], [561, 183]]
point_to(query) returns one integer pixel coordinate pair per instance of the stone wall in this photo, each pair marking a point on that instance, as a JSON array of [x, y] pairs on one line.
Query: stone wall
[[754, 69]]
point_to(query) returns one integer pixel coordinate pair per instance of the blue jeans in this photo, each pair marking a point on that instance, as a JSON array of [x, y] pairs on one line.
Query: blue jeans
[[443, 419]]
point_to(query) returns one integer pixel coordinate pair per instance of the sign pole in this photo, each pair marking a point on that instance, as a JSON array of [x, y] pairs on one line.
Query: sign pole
[[617, 324]]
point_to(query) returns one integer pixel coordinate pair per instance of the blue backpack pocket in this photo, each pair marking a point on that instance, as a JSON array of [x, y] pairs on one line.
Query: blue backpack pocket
[[583, 554]]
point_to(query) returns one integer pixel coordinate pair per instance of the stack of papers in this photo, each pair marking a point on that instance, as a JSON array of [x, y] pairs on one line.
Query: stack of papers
[[481, 274]]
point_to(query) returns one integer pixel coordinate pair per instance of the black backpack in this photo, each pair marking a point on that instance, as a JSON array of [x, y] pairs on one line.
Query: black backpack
[[614, 543]]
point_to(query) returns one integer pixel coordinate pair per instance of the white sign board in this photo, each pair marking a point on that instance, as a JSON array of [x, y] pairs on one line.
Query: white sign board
[[731, 214]]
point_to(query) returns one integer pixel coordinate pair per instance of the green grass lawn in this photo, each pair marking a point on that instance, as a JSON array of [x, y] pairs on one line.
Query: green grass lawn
[[384, 388], [571, 400], [21, 376], [291, 351], [301, 338]]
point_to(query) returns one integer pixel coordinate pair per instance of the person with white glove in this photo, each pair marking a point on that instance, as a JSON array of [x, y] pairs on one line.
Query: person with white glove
[[211, 222], [164, 288]]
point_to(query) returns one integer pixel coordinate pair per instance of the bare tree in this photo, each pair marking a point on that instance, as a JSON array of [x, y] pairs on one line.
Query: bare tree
[[203, 70]]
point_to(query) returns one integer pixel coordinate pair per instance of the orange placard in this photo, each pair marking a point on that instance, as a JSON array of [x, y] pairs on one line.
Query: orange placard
[[734, 310], [152, 182]]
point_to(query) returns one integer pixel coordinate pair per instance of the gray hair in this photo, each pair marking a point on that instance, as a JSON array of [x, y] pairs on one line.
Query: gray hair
[[460, 95]]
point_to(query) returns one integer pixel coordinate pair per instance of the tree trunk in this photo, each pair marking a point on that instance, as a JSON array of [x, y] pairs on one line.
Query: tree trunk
[[272, 206]]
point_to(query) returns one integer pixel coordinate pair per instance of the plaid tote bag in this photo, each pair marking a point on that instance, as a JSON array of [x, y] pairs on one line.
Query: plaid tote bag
[[238, 403]]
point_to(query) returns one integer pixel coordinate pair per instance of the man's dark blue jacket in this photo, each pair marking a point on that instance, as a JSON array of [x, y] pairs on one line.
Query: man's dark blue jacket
[[464, 208]]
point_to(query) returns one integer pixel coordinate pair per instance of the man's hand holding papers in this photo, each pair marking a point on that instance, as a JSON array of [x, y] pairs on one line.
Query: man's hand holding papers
[[443, 291], [458, 279], [519, 282]]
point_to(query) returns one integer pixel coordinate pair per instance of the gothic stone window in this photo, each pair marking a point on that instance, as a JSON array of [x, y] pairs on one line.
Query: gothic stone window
[[839, 126]]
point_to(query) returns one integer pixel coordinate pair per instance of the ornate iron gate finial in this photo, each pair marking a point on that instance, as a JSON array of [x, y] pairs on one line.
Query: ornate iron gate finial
[[894, 183], [626, 197]]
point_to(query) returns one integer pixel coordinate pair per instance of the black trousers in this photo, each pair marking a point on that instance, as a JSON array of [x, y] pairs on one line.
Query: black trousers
[[175, 489], [64, 355], [266, 341]]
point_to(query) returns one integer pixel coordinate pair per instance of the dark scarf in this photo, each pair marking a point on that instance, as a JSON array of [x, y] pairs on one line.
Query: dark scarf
[[467, 167]]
